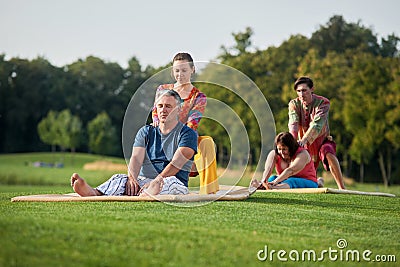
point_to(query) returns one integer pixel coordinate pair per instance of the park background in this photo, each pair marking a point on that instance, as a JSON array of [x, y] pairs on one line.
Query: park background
[[80, 107], [64, 64]]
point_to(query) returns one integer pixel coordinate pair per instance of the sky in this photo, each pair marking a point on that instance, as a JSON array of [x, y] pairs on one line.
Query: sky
[[63, 31]]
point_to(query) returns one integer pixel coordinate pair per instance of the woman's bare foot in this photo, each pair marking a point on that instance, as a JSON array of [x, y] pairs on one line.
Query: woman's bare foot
[[320, 182], [82, 188], [254, 184], [278, 186]]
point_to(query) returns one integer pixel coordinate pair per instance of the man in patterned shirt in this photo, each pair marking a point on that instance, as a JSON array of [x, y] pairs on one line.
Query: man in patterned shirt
[[308, 122]]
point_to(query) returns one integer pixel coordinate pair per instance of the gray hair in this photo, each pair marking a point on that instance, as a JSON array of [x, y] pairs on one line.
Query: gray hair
[[168, 92]]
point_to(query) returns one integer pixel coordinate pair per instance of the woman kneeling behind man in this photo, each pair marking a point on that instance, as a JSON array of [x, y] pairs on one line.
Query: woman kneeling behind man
[[293, 165]]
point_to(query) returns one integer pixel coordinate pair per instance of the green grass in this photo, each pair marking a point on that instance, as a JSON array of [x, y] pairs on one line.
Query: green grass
[[217, 234], [18, 168]]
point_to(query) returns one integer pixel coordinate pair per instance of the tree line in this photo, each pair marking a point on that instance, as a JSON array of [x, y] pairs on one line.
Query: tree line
[[357, 72]]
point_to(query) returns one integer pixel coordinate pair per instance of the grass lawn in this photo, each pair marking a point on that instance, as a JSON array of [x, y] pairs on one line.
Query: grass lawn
[[217, 234]]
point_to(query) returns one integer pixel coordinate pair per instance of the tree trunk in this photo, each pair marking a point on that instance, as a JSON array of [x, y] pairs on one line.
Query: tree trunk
[[389, 165], [347, 164], [221, 155], [362, 172], [381, 162]]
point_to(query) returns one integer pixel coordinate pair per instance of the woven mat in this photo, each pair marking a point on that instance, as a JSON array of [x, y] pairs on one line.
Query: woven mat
[[226, 193], [326, 190]]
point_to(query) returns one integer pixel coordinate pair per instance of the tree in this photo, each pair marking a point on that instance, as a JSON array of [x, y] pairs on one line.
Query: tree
[[94, 81], [102, 135], [62, 129], [69, 129], [46, 130], [389, 46], [339, 36], [242, 44], [392, 116], [25, 86], [364, 109]]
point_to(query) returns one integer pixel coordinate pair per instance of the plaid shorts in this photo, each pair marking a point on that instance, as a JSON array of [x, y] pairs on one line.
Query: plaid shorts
[[115, 186]]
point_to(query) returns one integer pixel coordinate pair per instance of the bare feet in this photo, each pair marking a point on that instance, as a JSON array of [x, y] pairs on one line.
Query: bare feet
[[153, 188], [255, 183], [278, 186], [321, 182], [81, 187]]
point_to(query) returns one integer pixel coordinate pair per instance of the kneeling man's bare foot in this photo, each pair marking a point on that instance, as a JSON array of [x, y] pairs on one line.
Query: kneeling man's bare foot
[[82, 188]]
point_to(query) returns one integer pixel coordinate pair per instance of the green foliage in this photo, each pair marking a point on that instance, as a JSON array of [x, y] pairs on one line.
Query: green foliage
[[102, 135], [243, 43], [389, 46], [339, 36], [392, 101], [364, 105], [346, 61], [62, 129], [46, 129]]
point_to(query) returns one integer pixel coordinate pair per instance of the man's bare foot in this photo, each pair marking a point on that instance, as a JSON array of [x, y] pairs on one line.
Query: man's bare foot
[[82, 188], [153, 188]]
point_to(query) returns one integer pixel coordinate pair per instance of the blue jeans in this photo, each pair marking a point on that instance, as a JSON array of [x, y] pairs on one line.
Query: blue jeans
[[296, 182]]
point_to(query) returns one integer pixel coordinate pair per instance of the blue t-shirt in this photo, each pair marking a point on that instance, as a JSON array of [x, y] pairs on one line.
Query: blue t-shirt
[[161, 148]]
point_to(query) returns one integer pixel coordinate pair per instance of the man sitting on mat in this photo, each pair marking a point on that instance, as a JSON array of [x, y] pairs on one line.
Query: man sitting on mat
[[293, 165], [161, 158]]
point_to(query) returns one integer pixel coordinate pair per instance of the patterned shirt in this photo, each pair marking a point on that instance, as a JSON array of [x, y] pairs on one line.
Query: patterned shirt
[[192, 109], [310, 123]]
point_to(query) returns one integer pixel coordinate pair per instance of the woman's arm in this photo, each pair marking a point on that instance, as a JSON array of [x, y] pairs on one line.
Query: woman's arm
[[295, 166], [196, 113], [269, 166]]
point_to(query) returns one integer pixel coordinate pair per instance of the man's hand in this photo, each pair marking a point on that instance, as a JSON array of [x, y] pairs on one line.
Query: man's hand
[[302, 143], [132, 187]]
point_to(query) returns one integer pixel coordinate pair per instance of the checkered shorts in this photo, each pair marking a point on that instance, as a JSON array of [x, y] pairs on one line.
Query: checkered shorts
[[115, 186]]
